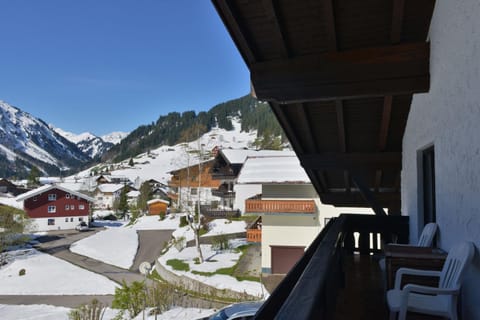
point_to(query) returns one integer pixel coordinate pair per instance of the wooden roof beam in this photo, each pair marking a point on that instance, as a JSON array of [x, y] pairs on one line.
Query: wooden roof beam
[[229, 19], [272, 14], [352, 161], [353, 199], [397, 21], [389, 70], [310, 139], [287, 128]]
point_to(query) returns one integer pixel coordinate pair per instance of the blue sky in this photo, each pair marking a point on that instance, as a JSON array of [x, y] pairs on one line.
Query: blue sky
[[112, 65]]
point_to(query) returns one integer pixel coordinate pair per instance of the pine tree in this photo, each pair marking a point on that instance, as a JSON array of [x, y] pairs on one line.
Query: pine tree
[[123, 202]]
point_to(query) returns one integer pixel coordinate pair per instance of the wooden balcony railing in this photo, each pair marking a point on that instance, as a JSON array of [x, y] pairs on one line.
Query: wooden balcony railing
[[254, 235], [279, 206], [310, 288]]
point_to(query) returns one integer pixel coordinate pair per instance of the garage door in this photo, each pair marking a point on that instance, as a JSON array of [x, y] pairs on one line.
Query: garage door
[[284, 258]]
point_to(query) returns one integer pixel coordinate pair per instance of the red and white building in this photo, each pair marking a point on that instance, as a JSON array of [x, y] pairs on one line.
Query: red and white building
[[53, 207]]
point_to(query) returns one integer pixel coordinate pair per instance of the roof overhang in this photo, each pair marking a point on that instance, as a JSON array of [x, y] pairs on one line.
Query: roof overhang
[[339, 76]]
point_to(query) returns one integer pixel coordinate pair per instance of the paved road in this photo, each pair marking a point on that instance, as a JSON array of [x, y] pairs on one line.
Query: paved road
[[151, 243], [57, 244]]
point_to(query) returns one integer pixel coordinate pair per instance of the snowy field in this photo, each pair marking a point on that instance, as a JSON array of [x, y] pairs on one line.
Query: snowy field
[[105, 245], [216, 227], [47, 275], [48, 312], [214, 261]]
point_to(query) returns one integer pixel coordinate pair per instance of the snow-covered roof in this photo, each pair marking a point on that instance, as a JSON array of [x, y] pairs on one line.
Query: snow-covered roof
[[157, 200], [238, 156], [272, 170], [48, 187], [109, 187], [133, 194]]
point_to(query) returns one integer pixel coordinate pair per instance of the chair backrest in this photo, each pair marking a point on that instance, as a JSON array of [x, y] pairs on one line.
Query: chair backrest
[[455, 265], [428, 233]]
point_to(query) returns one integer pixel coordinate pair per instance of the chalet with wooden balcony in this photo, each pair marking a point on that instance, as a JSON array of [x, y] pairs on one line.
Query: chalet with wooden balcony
[[289, 205], [226, 166], [379, 100], [191, 184]]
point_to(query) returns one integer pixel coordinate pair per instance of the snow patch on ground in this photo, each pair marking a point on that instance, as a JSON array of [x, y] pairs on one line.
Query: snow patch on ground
[[214, 260], [47, 275], [104, 245]]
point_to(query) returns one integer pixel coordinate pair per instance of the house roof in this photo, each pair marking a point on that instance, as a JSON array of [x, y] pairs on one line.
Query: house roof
[[266, 170], [339, 76], [157, 200], [109, 187], [133, 194], [48, 187], [238, 156]]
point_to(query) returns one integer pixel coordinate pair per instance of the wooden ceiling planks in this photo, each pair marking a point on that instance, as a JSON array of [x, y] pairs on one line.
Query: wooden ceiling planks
[[339, 75]]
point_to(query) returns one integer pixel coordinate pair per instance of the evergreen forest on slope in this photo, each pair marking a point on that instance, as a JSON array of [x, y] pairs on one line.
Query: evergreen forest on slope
[[176, 127]]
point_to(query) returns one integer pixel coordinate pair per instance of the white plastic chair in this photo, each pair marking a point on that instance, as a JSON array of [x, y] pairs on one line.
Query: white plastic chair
[[425, 240], [441, 300]]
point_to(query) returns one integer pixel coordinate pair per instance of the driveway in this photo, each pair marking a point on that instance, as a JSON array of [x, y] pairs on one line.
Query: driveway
[[57, 243]]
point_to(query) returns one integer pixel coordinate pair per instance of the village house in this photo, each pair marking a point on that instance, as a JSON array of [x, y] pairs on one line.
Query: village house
[[106, 194], [226, 166], [53, 207], [379, 100], [185, 189], [287, 204], [132, 197], [7, 187]]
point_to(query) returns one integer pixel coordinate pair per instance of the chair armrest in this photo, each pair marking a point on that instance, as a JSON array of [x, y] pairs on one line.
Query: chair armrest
[[413, 272], [430, 290]]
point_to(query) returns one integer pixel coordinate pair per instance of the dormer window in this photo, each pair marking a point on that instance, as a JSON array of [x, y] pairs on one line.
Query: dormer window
[[52, 197], [67, 196]]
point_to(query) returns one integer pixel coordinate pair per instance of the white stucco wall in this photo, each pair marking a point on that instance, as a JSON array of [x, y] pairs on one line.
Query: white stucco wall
[[286, 230], [41, 224], [243, 192], [448, 117]]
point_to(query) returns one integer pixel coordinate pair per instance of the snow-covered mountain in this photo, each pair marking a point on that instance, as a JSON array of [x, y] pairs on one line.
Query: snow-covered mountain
[[90, 144], [114, 137], [27, 141]]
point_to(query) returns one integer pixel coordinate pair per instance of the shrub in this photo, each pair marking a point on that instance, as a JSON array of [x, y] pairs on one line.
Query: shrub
[[92, 311], [220, 242], [22, 272], [130, 298], [183, 221]]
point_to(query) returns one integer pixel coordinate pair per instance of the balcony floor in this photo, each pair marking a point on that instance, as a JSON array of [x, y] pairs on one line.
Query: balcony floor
[[363, 297]]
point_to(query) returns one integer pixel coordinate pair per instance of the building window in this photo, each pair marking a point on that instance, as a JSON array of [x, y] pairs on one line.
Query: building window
[[194, 191], [81, 207], [51, 222], [66, 219], [52, 209], [72, 207], [80, 219], [67, 196], [71, 219], [35, 198], [52, 197], [67, 207]]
